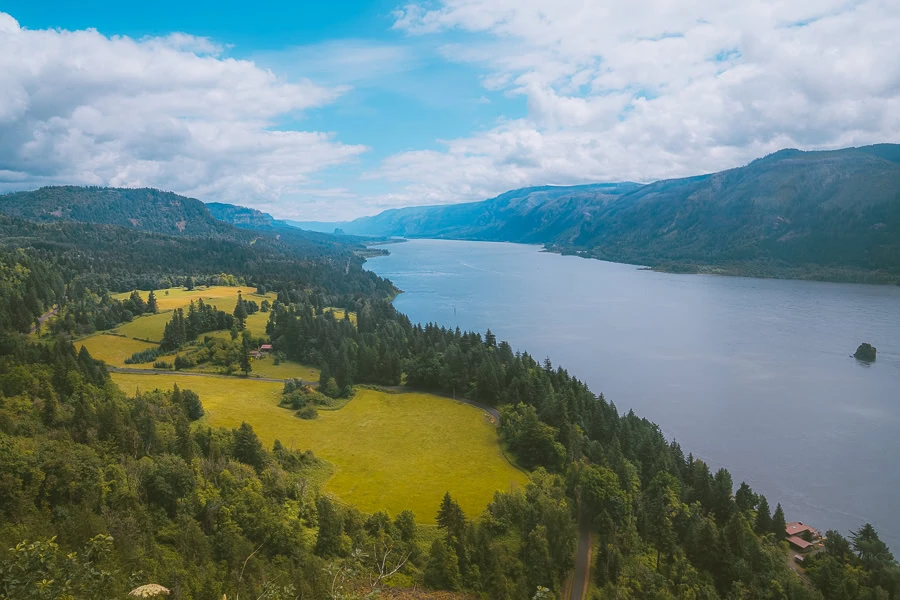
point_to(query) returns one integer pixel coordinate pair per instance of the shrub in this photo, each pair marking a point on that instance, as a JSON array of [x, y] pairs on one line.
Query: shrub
[[183, 362], [161, 364], [308, 413]]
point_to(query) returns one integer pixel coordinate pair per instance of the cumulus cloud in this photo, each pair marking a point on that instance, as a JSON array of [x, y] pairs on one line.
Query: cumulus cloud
[[650, 89], [172, 112]]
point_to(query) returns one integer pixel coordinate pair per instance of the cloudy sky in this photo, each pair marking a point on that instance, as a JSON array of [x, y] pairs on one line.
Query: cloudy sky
[[323, 111]]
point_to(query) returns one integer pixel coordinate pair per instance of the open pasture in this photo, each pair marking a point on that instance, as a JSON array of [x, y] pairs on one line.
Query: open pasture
[[389, 451], [113, 349]]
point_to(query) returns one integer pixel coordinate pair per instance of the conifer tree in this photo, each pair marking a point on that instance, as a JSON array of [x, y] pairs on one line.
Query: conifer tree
[[152, 306], [778, 522]]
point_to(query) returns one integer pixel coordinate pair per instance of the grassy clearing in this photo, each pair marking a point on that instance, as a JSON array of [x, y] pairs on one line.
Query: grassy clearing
[[113, 349], [390, 451], [286, 370], [149, 327], [223, 296], [339, 314]]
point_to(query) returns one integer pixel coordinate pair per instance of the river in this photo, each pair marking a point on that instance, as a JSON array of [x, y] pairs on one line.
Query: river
[[754, 375]]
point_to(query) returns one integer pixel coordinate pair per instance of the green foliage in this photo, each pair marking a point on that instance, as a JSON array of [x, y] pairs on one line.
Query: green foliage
[[41, 570], [143, 356]]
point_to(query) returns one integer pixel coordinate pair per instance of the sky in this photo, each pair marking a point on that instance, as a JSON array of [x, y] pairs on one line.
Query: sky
[[331, 111]]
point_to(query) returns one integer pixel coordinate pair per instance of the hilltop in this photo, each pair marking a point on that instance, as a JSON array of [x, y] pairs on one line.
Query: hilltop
[[827, 215]]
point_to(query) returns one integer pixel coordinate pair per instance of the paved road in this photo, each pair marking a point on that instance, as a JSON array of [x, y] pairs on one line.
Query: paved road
[[582, 572], [131, 371]]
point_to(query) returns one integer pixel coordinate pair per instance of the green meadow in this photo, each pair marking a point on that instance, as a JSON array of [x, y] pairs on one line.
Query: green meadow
[[389, 451], [113, 349], [127, 338]]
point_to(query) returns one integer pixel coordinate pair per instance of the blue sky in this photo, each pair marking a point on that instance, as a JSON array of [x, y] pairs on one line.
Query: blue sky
[[321, 111]]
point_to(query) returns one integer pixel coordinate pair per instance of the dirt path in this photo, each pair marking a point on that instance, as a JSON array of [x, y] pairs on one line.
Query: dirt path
[[581, 575], [41, 319]]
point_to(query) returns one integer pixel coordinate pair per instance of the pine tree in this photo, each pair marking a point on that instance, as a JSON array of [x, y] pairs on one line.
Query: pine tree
[[246, 366], [189, 283], [451, 517], [240, 311], [152, 306], [331, 527], [778, 523], [763, 517], [247, 447]]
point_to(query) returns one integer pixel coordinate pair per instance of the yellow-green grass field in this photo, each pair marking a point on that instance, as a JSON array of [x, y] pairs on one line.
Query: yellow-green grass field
[[287, 369], [222, 296], [389, 451], [148, 327], [113, 349]]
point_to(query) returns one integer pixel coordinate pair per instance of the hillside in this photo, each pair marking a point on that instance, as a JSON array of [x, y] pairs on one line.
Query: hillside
[[145, 209], [828, 215]]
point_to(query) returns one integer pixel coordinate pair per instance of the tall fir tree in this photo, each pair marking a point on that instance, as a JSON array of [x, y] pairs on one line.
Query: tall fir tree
[[152, 306], [778, 523]]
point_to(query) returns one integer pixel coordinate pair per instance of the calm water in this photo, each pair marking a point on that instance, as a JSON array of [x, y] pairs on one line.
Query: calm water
[[750, 374]]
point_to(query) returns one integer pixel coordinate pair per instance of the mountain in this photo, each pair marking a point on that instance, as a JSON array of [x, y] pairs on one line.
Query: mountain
[[827, 215], [145, 209]]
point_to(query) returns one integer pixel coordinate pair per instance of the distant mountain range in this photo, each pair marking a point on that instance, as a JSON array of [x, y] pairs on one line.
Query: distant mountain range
[[158, 212], [823, 215]]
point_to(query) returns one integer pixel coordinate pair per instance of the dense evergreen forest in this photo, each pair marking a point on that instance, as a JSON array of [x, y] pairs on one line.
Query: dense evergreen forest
[[101, 492]]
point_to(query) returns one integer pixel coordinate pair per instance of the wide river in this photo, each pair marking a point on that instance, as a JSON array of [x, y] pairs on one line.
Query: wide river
[[750, 374]]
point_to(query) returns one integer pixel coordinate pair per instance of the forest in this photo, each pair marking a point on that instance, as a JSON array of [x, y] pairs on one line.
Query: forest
[[102, 492]]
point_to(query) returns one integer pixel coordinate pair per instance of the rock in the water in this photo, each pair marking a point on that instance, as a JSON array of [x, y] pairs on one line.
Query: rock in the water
[[865, 352]]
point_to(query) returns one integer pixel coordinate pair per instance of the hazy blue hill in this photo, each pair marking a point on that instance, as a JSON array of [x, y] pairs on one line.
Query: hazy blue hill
[[832, 214]]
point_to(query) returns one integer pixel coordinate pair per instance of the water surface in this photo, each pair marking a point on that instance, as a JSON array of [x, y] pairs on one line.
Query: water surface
[[750, 374]]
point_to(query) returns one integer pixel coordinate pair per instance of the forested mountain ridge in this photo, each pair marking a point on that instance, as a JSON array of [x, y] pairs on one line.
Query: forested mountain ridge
[[831, 215], [144, 208]]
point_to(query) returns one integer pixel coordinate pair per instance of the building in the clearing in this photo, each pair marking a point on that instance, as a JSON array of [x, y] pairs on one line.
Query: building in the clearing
[[265, 348], [802, 537]]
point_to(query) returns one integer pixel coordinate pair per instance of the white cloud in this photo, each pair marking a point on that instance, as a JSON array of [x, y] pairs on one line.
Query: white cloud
[[172, 112], [649, 89]]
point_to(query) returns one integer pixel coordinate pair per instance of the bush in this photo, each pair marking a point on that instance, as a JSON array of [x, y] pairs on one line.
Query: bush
[[182, 362], [308, 413], [161, 364]]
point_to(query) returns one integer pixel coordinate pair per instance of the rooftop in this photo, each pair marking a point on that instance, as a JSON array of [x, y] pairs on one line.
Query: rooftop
[[798, 542], [797, 528]]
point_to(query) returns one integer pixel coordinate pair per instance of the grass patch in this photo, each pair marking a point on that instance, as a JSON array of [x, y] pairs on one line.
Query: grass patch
[[113, 349], [389, 451], [339, 314], [288, 369], [149, 327]]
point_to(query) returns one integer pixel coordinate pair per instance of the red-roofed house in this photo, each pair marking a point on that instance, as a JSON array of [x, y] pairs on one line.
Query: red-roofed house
[[801, 537], [799, 529], [799, 543], [265, 348]]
